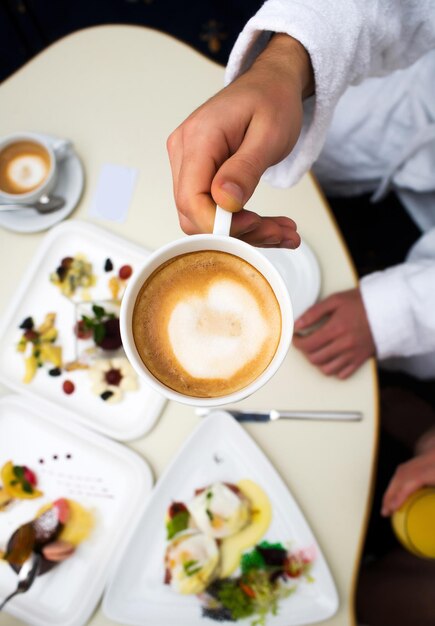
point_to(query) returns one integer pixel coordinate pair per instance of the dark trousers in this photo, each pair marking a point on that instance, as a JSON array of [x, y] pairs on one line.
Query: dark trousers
[[395, 588]]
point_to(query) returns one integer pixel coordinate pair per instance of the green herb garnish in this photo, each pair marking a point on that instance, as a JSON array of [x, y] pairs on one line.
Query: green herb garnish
[[191, 567], [175, 525], [96, 324]]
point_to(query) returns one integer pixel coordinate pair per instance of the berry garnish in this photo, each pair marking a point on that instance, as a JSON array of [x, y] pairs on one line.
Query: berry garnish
[[61, 271], [29, 476], [112, 335], [113, 377], [62, 509], [55, 371], [104, 327], [106, 395], [68, 387], [108, 265], [31, 335], [125, 272], [27, 324]]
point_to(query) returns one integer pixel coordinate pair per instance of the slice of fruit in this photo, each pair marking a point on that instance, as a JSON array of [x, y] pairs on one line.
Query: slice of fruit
[[261, 515], [16, 484]]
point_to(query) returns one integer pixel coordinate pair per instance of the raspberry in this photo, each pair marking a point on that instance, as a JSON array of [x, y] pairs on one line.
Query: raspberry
[[125, 272], [68, 387], [29, 476]]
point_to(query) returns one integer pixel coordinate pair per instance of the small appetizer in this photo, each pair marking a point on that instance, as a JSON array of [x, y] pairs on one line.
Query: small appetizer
[[102, 326], [111, 378], [191, 561], [54, 533], [18, 483], [37, 344], [220, 510], [73, 273]]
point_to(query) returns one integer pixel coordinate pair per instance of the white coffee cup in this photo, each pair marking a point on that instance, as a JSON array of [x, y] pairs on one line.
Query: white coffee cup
[[221, 241], [56, 150]]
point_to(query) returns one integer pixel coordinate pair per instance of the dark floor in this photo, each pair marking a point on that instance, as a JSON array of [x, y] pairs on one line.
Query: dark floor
[[29, 26]]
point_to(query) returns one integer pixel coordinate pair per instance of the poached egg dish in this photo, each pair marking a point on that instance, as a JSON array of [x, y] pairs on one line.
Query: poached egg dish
[[191, 561], [220, 510]]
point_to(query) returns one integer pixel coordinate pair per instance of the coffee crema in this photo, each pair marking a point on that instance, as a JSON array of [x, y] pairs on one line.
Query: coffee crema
[[24, 166], [206, 324]]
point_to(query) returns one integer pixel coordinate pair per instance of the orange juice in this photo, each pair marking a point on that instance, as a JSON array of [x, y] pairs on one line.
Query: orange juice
[[414, 523]]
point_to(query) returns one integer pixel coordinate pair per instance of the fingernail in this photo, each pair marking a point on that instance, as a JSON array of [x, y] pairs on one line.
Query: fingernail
[[272, 241], [233, 191], [299, 324], [250, 228], [288, 243]]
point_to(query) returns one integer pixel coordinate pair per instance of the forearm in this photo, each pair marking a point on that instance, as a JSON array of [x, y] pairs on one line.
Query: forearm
[[347, 41], [399, 303]]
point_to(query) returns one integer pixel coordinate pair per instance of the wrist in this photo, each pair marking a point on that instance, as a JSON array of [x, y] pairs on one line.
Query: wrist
[[288, 54]]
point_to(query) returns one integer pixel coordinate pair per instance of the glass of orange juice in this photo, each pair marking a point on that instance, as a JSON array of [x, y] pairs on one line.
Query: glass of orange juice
[[414, 523]]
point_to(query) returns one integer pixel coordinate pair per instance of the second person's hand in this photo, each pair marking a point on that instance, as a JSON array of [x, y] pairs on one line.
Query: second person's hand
[[219, 153]]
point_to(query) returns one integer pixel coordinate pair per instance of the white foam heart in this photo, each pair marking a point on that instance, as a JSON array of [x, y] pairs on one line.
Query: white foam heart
[[27, 171], [214, 336]]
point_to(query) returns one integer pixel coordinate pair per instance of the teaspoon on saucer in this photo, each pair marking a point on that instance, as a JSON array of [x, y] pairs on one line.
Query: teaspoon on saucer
[[45, 204]]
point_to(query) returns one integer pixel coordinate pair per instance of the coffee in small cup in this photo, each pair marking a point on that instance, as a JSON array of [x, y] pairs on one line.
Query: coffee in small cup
[[25, 165], [206, 324]]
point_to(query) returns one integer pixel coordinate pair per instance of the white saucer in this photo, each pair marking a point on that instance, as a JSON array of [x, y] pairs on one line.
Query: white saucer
[[69, 185], [301, 273]]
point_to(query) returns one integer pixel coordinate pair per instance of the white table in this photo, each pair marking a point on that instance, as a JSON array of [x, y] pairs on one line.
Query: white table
[[117, 92]]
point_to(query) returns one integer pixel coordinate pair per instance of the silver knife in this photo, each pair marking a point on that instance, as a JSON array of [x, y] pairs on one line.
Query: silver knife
[[273, 415]]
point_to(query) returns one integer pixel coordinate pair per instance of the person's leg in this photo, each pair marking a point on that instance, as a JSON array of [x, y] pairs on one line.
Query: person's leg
[[397, 590], [377, 235]]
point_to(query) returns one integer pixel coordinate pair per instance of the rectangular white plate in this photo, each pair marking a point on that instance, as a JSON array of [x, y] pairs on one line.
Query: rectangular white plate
[[72, 462], [219, 450], [35, 296]]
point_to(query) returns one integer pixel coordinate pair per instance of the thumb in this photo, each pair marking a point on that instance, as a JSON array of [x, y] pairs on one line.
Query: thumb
[[235, 181]]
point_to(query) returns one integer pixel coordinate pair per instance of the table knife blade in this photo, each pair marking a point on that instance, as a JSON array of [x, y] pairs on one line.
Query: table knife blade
[[273, 415]]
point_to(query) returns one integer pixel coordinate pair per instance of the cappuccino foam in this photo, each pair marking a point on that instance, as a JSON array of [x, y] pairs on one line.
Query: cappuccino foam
[[206, 323], [24, 165]]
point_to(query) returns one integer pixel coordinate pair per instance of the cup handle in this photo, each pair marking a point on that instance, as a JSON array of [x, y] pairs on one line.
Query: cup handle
[[222, 222], [61, 148]]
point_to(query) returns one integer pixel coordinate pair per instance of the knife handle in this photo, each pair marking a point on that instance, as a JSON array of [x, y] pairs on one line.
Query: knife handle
[[250, 417]]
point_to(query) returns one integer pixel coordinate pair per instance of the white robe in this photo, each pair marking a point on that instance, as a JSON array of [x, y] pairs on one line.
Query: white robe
[[363, 133]]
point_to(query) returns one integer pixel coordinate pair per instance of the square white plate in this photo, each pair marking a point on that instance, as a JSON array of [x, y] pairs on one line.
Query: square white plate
[[219, 449], [72, 462], [35, 296]]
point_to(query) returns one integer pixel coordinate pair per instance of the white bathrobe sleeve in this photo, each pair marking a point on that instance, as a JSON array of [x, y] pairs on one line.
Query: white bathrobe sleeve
[[400, 303], [347, 40]]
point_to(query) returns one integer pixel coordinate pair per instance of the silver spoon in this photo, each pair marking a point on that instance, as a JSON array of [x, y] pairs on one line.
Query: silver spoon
[[45, 204], [26, 576]]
